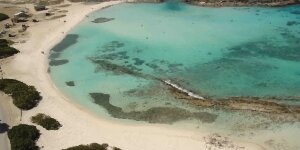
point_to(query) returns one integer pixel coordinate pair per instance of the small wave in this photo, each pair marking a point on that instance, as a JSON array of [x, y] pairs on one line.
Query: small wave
[[189, 93]]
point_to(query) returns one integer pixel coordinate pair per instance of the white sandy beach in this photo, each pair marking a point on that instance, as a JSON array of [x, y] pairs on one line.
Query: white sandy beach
[[79, 125]]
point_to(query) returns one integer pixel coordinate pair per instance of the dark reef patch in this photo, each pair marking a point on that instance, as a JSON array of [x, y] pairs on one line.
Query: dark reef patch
[[295, 12], [115, 56], [152, 66], [112, 46], [115, 68], [174, 5], [269, 48], [58, 62], [138, 61], [70, 83], [163, 66], [230, 67], [112, 54], [54, 55], [166, 115], [292, 23], [102, 20], [68, 41]]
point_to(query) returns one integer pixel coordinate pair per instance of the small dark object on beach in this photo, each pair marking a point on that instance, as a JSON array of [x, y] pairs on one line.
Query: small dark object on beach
[[3, 127], [40, 7], [35, 20], [12, 35], [48, 14]]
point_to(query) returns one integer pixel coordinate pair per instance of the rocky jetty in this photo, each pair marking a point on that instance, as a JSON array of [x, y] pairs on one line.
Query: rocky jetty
[[257, 104]]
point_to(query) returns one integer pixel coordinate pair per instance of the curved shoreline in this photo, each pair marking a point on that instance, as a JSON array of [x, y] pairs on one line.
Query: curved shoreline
[[79, 125]]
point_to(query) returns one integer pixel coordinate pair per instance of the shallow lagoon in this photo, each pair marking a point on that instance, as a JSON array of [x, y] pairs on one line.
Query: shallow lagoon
[[124, 51]]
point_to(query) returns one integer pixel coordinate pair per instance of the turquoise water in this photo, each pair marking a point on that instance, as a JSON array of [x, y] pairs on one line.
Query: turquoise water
[[214, 52]]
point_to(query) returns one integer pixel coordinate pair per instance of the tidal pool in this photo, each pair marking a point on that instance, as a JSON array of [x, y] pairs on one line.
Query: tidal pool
[[117, 57]]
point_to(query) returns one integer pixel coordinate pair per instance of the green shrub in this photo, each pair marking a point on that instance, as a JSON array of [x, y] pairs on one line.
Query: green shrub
[[24, 97], [6, 50], [23, 137], [93, 146], [46, 121], [3, 17]]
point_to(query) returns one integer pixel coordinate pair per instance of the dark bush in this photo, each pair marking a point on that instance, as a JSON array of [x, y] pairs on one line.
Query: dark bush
[[23, 137], [93, 146], [116, 148], [6, 50], [24, 97], [46, 121], [3, 17]]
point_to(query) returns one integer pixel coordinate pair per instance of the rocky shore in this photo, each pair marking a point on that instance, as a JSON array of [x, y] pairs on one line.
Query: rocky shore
[[256, 104]]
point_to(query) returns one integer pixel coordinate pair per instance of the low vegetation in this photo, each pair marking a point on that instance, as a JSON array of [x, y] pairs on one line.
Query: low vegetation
[[23, 137], [93, 146], [46, 121], [24, 97], [3, 17], [6, 50]]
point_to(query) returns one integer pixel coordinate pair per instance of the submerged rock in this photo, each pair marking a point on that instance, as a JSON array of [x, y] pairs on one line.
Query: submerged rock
[[70, 83], [269, 48], [291, 23], [102, 20], [138, 61], [58, 62], [295, 12], [54, 55], [117, 69], [112, 46], [68, 41], [166, 115], [255, 104]]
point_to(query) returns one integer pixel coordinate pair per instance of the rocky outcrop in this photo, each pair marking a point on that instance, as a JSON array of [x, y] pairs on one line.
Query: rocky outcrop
[[255, 104]]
